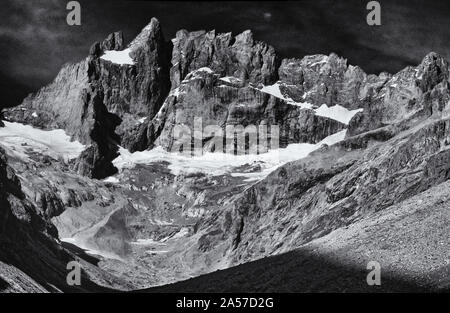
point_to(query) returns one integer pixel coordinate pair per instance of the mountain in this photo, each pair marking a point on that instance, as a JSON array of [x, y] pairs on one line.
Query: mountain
[[354, 168]]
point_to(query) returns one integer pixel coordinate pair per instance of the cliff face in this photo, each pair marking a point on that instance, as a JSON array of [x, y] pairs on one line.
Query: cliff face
[[241, 56], [413, 92], [51, 104], [99, 102], [206, 95], [223, 80], [345, 187]]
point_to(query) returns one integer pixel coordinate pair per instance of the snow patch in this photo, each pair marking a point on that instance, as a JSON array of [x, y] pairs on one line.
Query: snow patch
[[319, 62], [111, 179], [275, 91], [21, 140], [182, 233], [152, 252], [142, 120], [337, 112], [217, 164], [194, 212], [205, 69], [90, 251], [118, 57], [175, 92], [161, 222], [146, 242], [306, 94], [230, 79], [194, 74]]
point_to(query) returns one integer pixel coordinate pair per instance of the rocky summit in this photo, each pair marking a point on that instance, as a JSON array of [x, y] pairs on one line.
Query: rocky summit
[[346, 168]]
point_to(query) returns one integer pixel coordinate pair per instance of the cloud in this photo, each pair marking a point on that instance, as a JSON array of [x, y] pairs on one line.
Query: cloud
[[30, 35], [33, 20]]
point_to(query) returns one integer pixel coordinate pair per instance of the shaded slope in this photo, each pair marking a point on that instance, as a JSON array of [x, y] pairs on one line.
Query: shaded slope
[[408, 240], [330, 189]]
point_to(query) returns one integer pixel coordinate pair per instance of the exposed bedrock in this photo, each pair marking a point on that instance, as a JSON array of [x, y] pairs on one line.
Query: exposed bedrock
[[219, 78]]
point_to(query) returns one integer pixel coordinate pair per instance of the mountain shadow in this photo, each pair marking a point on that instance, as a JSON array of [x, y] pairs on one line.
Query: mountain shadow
[[293, 272]]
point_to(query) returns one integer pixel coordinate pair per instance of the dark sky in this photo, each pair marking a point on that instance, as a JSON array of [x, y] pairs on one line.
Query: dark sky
[[35, 40]]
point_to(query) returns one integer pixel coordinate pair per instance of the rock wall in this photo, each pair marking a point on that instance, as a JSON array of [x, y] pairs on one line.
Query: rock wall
[[219, 78]]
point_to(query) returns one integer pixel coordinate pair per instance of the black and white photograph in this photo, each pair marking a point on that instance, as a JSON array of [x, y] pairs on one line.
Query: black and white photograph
[[241, 149]]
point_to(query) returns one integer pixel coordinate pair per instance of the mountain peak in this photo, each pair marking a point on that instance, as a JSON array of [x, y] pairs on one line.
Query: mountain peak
[[434, 59], [432, 56], [152, 30], [245, 37], [433, 70]]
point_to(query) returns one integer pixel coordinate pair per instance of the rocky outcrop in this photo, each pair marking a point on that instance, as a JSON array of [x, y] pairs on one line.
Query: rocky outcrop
[[241, 56], [420, 92], [385, 99], [203, 98], [329, 79], [14, 207], [74, 103], [31, 258], [99, 102], [137, 90], [63, 104], [213, 79]]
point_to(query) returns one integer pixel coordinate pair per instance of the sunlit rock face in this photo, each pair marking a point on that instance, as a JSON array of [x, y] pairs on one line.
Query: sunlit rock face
[[241, 56]]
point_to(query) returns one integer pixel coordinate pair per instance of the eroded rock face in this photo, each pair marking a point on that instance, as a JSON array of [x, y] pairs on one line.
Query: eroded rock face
[[31, 260], [63, 104], [99, 102], [332, 188], [385, 99], [239, 56], [204, 97], [74, 103], [412, 93], [325, 79], [214, 79], [140, 89]]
